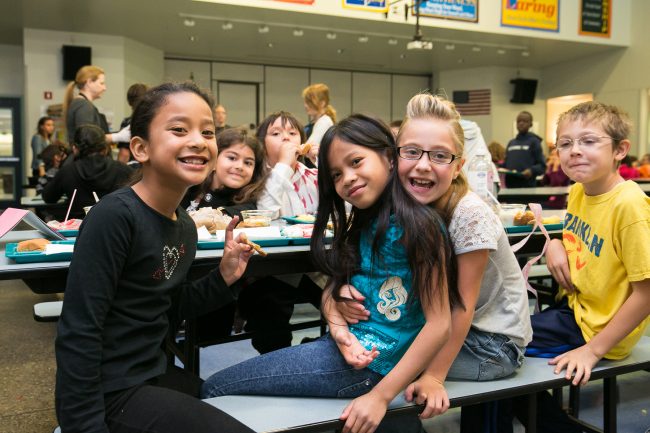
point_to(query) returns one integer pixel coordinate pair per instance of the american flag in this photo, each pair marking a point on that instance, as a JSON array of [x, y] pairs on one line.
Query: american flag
[[473, 102]]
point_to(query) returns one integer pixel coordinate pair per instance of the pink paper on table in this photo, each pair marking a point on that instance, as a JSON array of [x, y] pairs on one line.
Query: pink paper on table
[[10, 218]]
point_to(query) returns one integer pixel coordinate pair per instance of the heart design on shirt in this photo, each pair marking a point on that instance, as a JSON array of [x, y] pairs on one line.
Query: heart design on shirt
[[170, 260]]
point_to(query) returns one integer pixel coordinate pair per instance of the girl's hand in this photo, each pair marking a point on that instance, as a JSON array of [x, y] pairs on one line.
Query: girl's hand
[[557, 263], [235, 255], [354, 353], [364, 414], [579, 361], [289, 153], [427, 389], [352, 308]]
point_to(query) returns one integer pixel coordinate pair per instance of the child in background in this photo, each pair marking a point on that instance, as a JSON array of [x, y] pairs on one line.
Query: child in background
[[644, 166], [290, 189], [555, 176], [627, 170], [602, 262], [52, 157], [316, 99], [127, 283], [238, 178], [381, 249], [524, 155], [489, 336], [133, 95], [40, 141], [233, 186]]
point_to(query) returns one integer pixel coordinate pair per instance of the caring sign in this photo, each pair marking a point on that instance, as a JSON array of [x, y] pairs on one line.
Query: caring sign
[[531, 14]]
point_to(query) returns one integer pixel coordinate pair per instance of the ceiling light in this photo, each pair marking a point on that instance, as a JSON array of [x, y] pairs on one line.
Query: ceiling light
[[270, 45], [331, 36], [476, 49], [192, 38], [450, 47], [402, 56], [363, 39], [227, 25], [392, 41], [263, 29], [525, 53], [189, 22], [298, 32], [501, 51]]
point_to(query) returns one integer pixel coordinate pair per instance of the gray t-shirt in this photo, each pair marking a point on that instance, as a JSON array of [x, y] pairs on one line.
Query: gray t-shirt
[[502, 305]]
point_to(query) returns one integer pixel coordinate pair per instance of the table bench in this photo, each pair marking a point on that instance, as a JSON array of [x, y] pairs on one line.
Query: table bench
[[305, 415]]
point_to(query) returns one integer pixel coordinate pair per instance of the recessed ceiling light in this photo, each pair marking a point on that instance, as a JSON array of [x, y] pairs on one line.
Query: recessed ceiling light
[[298, 32], [189, 22], [525, 53], [331, 36], [363, 39], [227, 25], [392, 41], [192, 38], [270, 45], [450, 47], [340, 51], [501, 51], [476, 49], [263, 29]]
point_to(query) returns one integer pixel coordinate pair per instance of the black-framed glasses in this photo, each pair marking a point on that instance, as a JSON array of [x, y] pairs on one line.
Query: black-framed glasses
[[413, 153], [585, 143]]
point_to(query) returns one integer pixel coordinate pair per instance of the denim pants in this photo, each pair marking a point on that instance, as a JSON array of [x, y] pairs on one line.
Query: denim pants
[[486, 356], [315, 369]]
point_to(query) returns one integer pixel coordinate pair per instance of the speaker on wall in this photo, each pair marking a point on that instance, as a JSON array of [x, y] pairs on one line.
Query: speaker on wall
[[524, 92], [74, 58]]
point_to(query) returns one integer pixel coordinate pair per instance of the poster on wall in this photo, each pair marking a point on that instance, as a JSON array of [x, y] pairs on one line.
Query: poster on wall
[[302, 2], [595, 18], [367, 5], [463, 10], [531, 14]]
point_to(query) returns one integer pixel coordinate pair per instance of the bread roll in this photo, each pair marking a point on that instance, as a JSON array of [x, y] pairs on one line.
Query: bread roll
[[37, 244], [304, 149], [523, 218]]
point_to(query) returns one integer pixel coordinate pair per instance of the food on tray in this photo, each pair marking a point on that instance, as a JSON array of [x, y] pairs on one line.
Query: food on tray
[[508, 211], [304, 149], [256, 218], [306, 218], [298, 231], [553, 219], [37, 244], [256, 247], [523, 218], [211, 219], [71, 224]]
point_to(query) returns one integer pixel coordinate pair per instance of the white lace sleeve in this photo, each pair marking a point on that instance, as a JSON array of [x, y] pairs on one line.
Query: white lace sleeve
[[474, 226]]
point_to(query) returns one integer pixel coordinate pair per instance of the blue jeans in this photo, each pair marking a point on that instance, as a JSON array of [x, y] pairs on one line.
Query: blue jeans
[[486, 356], [315, 369]]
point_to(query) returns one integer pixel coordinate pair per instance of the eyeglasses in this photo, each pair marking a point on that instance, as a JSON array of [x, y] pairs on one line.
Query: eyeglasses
[[413, 153], [585, 143]]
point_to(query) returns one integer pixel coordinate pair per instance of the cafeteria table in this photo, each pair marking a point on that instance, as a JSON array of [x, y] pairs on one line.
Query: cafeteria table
[[537, 194]]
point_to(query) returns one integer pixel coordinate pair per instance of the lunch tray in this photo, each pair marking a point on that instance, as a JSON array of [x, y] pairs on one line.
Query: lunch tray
[[528, 227], [36, 256], [269, 242], [296, 220], [69, 233]]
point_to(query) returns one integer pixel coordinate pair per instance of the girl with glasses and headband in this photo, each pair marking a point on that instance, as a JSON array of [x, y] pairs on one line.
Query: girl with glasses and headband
[[488, 337]]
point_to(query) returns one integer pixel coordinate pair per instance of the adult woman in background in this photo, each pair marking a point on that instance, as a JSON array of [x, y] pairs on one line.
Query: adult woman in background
[[80, 110], [317, 104], [40, 141]]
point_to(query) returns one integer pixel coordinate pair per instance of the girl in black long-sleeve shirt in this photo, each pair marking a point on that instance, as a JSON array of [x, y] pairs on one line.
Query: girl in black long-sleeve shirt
[[128, 282]]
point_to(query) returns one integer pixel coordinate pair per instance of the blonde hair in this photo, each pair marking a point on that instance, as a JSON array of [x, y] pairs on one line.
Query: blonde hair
[[427, 106], [84, 74], [615, 122], [317, 96]]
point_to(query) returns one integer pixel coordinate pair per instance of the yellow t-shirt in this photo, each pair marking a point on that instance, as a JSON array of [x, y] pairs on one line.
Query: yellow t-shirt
[[607, 239]]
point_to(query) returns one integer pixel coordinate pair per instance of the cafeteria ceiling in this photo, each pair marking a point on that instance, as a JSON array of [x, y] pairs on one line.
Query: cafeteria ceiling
[[161, 24]]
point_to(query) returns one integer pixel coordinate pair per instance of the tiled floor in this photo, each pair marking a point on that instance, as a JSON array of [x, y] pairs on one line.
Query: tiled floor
[[27, 370]]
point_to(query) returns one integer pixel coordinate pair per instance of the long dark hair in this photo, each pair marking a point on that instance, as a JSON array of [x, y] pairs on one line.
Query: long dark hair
[[429, 251]]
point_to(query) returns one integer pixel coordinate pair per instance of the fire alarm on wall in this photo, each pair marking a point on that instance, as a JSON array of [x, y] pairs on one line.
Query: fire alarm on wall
[[47, 95]]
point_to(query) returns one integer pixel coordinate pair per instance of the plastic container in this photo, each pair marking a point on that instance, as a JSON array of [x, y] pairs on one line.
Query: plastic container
[[508, 212], [480, 178], [257, 218]]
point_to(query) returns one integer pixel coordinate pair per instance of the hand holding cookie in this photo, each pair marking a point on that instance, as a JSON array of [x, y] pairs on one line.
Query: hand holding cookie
[[235, 255]]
